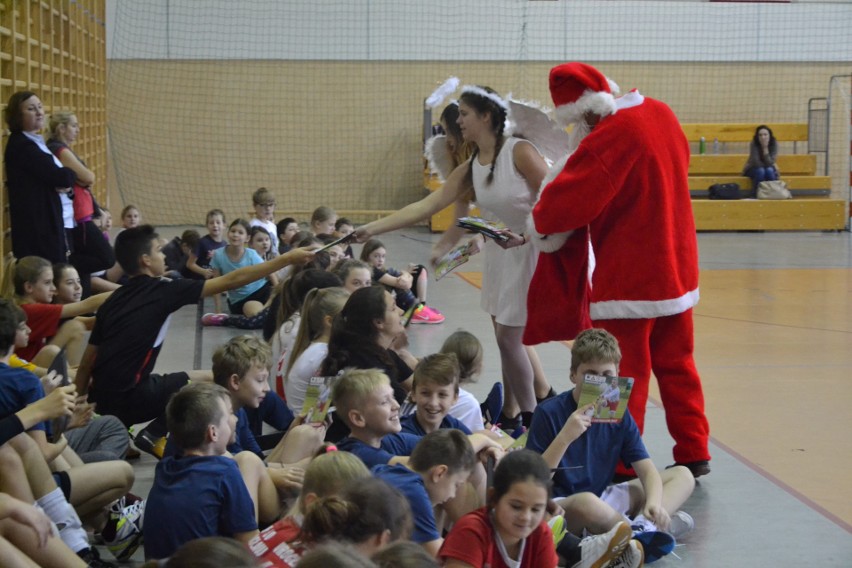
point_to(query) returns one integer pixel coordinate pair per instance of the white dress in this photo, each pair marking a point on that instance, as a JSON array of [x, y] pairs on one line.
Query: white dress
[[507, 274]]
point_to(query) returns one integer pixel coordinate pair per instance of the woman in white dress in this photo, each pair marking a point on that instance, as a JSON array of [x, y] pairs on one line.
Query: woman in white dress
[[503, 176]]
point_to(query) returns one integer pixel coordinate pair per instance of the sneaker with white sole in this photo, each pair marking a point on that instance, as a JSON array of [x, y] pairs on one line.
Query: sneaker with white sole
[[682, 524], [633, 556], [123, 534], [599, 550], [425, 314]]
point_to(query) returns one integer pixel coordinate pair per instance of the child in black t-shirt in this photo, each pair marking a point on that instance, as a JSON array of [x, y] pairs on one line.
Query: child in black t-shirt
[[117, 365]]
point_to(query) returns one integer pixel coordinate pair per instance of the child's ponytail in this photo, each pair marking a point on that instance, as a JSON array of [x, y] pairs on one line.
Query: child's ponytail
[[17, 273]]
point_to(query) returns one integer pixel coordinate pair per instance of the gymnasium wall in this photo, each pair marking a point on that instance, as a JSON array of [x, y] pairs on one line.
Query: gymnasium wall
[[323, 102]]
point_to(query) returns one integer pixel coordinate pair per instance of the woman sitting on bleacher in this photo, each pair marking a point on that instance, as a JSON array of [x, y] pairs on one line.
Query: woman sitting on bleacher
[[763, 152]]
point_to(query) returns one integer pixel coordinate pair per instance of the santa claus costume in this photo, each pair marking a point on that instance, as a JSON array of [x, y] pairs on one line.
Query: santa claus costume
[[627, 181]]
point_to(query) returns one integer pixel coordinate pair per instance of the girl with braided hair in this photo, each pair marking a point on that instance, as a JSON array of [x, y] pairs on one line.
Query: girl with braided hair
[[503, 175]]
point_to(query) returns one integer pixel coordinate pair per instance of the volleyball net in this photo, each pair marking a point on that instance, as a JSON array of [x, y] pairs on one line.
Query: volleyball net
[[322, 102]]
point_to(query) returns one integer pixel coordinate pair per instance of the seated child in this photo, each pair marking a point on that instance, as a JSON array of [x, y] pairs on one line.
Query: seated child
[[177, 253], [29, 282], [468, 351], [365, 403], [130, 217], [310, 348], [69, 288], [250, 299], [201, 493], [354, 274], [336, 253], [131, 328], [286, 227], [323, 220], [435, 390], [510, 530], [566, 437], [325, 476], [199, 259], [367, 513], [440, 464], [410, 287], [343, 227], [264, 213]]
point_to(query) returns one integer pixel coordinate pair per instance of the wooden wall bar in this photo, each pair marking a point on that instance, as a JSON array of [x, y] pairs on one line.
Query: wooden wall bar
[[57, 49]]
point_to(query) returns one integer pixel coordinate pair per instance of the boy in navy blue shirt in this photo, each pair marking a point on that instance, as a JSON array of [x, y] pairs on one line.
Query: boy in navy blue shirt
[[585, 455], [438, 467], [435, 391], [241, 366], [201, 493]]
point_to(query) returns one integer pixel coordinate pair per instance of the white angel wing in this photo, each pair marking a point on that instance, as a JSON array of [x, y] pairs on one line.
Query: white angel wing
[[532, 123], [438, 155]]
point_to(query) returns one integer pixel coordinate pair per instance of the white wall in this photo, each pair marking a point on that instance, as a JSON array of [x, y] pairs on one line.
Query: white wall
[[479, 30]]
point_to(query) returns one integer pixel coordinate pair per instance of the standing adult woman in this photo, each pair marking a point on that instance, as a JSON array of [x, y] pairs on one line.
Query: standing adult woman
[[503, 175], [39, 185], [763, 151], [90, 251]]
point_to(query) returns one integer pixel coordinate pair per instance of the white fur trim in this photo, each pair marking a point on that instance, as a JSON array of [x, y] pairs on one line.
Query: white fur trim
[[598, 102], [553, 242], [643, 309], [613, 86], [632, 99], [479, 91], [446, 89]]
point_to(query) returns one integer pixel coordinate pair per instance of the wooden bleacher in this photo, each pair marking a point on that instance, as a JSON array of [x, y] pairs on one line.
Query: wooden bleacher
[[810, 209]]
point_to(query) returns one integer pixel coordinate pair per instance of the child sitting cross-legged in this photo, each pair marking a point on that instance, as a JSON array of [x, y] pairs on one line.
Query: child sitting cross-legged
[[566, 437], [201, 493]]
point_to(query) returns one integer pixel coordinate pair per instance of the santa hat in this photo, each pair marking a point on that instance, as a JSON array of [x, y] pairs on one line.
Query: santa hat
[[577, 88]]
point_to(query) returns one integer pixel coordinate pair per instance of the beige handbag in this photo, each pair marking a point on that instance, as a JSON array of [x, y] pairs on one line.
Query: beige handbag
[[773, 190]]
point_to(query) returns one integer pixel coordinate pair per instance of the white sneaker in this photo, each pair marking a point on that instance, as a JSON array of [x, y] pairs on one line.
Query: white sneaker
[[597, 551], [682, 524], [632, 557]]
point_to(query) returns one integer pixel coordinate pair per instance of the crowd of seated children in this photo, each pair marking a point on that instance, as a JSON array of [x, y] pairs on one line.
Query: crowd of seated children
[[29, 282], [408, 285], [177, 253], [565, 436], [353, 274], [264, 213], [311, 345], [90, 488], [116, 369]]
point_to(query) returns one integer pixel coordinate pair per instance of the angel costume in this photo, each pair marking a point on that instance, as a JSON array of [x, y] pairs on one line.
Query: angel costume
[[507, 273]]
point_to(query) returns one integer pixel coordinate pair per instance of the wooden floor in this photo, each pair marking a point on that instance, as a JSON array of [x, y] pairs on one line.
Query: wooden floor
[[774, 349]]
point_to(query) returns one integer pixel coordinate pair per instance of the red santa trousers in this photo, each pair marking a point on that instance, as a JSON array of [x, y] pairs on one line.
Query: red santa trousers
[[664, 345]]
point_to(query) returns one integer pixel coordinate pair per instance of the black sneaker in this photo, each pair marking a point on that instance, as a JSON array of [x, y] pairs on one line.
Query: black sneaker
[[698, 468], [93, 559], [509, 424], [550, 394]]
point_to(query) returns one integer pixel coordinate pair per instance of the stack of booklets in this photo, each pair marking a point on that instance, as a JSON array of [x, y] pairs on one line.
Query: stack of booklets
[[484, 227]]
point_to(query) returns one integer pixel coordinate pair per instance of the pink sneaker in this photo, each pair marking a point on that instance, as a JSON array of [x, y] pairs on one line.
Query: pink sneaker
[[427, 315], [213, 319]]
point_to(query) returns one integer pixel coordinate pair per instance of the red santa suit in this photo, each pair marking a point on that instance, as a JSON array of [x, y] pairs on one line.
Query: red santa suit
[[627, 181]]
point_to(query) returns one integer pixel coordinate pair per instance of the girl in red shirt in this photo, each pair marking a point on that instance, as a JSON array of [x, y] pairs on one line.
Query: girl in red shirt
[[29, 282], [510, 531]]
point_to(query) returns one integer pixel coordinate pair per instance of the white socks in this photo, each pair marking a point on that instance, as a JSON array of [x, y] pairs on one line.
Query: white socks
[[63, 514]]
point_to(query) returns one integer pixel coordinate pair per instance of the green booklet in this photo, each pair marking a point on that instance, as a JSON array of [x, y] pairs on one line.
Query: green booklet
[[609, 395], [451, 261], [318, 399]]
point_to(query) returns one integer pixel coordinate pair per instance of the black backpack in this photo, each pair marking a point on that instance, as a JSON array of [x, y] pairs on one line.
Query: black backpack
[[725, 191]]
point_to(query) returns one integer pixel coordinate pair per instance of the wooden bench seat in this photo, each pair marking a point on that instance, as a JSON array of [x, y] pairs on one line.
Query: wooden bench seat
[[744, 132], [786, 215], [732, 164], [799, 186]]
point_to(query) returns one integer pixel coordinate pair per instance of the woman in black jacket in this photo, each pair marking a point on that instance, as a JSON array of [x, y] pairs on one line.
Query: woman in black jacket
[[40, 188]]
